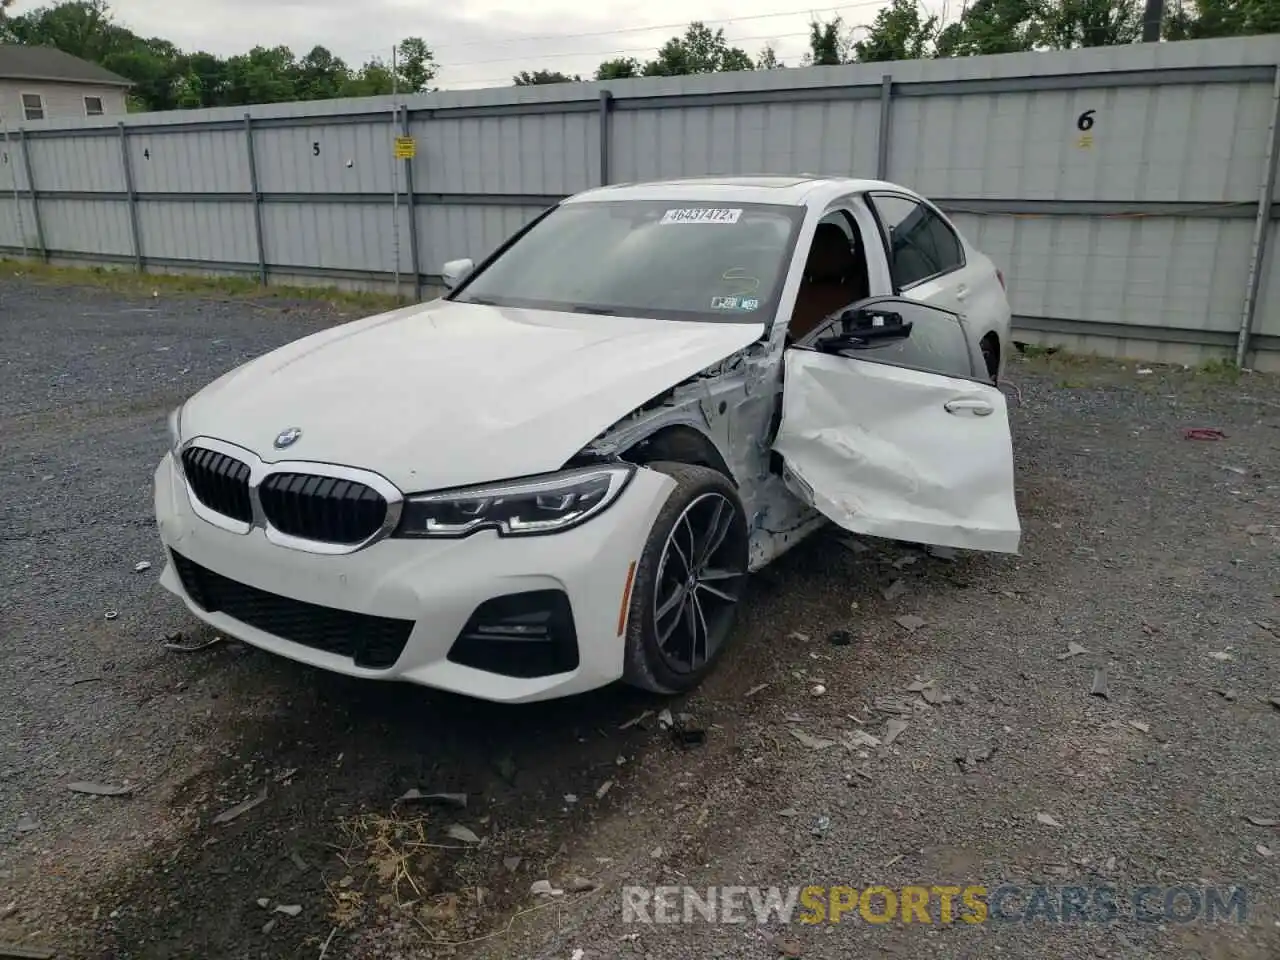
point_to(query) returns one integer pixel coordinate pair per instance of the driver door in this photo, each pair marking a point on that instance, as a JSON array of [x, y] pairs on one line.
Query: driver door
[[888, 430]]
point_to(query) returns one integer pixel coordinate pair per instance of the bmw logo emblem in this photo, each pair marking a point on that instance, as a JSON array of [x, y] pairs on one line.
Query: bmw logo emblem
[[287, 438]]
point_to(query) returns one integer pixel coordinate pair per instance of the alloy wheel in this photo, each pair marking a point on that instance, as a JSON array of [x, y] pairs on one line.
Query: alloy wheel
[[700, 578]]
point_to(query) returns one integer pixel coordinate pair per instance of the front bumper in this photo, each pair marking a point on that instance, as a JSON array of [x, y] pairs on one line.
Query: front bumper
[[437, 585]]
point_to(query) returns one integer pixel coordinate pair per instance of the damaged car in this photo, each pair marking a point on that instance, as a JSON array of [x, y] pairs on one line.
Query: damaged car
[[562, 472]]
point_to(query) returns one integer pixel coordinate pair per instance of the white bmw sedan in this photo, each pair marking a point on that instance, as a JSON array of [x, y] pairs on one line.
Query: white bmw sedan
[[562, 473]]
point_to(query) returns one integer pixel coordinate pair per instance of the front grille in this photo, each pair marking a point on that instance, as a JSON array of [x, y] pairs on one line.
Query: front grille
[[374, 642], [520, 635], [220, 482], [322, 508]]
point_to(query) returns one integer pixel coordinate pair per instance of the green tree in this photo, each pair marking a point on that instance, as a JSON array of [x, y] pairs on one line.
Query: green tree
[[416, 66], [767, 59], [263, 75], [829, 43], [899, 32], [993, 26], [619, 69], [538, 77], [371, 80], [320, 75], [1068, 24], [700, 50]]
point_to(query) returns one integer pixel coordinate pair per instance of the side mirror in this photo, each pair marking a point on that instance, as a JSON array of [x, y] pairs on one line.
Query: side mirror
[[455, 271], [865, 327]]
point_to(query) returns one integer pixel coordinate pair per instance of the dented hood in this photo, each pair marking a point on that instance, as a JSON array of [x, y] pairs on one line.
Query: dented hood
[[447, 394]]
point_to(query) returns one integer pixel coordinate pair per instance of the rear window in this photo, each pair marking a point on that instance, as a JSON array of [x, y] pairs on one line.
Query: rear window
[[674, 260]]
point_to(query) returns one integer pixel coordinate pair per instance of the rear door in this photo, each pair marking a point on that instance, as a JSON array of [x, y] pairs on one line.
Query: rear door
[[895, 436]]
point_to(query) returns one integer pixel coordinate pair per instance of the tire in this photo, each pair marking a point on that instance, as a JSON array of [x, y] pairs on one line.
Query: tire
[[665, 655]]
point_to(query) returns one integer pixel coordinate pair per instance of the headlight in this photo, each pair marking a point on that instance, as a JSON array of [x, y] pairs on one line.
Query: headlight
[[547, 504]]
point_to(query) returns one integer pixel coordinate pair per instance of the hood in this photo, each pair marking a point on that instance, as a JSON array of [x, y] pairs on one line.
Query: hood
[[448, 394]]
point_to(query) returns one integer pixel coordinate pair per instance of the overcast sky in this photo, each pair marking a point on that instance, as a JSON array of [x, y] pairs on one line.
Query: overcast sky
[[481, 42]]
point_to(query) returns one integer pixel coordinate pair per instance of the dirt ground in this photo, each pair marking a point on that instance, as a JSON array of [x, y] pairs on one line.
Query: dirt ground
[[1155, 554]]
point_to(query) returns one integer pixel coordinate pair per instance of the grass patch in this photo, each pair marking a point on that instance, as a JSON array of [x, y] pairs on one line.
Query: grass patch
[[1222, 370], [234, 288]]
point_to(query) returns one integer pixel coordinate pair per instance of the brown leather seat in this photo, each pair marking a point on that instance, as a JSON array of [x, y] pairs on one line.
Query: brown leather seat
[[834, 277]]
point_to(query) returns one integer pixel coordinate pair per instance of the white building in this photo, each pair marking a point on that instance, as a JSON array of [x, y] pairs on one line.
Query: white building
[[41, 83]]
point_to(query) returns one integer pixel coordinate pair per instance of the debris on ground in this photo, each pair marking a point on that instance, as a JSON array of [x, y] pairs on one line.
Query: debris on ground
[[1099, 687], [860, 738], [656, 853], [457, 831], [543, 888], [1140, 726], [142, 566], [577, 954], [788, 812], [634, 721], [288, 909], [1073, 650], [241, 808], [894, 704], [905, 561], [910, 622], [812, 742], [1262, 821], [179, 643], [99, 789], [268, 926], [1222, 656], [785, 946], [939, 552], [264, 903], [1047, 820], [1203, 433], [26, 952], [603, 789], [1263, 849], [445, 799], [818, 690], [840, 638], [665, 720], [799, 637], [892, 730], [820, 826], [26, 823], [756, 689], [852, 544], [581, 885], [894, 590], [110, 615], [969, 762]]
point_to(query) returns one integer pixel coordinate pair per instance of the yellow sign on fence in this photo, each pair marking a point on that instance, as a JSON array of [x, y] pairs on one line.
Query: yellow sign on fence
[[406, 148]]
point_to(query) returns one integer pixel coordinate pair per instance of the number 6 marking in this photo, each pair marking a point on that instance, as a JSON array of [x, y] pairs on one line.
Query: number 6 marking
[[1085, 120]]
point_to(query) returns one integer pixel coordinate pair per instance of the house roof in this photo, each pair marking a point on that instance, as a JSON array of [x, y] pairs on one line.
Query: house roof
[[21, 62]]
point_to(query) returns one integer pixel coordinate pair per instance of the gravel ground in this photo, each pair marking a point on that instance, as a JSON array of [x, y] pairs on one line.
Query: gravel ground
[[1152, 552]]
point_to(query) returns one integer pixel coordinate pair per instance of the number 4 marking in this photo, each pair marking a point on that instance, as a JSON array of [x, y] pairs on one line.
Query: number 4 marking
[[146, 154]]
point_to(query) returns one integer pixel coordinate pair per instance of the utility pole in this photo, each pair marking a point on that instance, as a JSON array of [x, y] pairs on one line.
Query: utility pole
[[1151, 21], [395, 167]]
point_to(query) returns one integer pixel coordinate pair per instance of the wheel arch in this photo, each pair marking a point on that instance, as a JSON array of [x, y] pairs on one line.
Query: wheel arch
[[679, 443]]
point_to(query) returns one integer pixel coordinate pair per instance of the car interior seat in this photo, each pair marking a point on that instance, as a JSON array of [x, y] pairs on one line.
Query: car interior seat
[[834, 277]]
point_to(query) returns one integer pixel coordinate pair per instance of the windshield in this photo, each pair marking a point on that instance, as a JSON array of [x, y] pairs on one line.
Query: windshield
[[673, 260]]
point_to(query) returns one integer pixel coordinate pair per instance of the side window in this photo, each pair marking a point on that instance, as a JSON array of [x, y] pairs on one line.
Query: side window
[[93, 106], [921, 244], [937, 343], [32, 106]]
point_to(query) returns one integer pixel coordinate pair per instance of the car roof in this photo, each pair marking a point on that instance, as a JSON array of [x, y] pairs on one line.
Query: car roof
[[801, 190]]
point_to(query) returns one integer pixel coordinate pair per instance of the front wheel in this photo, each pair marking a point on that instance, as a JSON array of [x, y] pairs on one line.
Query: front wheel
[[690, 578]]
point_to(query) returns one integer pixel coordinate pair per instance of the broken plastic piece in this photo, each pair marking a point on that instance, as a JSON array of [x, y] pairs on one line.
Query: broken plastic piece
[[241, 808]]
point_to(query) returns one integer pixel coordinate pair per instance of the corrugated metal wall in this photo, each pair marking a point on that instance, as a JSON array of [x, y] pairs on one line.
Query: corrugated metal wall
[[1118, 188]]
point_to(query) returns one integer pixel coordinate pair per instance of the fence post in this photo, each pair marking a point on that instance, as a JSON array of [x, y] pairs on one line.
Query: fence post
[[409, 206], [127, 166], [1261, 226], [257, 199], [882, 145], [35, 201], [606, 105]]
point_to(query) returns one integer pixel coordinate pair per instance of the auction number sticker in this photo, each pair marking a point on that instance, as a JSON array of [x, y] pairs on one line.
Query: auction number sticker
[[702, 215]]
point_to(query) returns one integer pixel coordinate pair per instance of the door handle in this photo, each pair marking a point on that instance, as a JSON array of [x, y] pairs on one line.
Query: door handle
[[979, 408]]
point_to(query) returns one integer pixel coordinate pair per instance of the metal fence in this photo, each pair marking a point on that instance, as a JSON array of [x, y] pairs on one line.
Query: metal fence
[[1128, 193]]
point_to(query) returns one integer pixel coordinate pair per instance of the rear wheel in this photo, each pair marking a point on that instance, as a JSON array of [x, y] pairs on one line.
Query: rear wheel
[[689, 581]]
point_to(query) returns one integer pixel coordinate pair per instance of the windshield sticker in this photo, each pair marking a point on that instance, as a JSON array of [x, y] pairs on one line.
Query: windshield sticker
[[702, 215], [750, 303], [724, 303]]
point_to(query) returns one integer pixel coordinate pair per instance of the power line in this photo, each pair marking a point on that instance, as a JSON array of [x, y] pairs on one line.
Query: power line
[[807, 11], [525, 58]]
